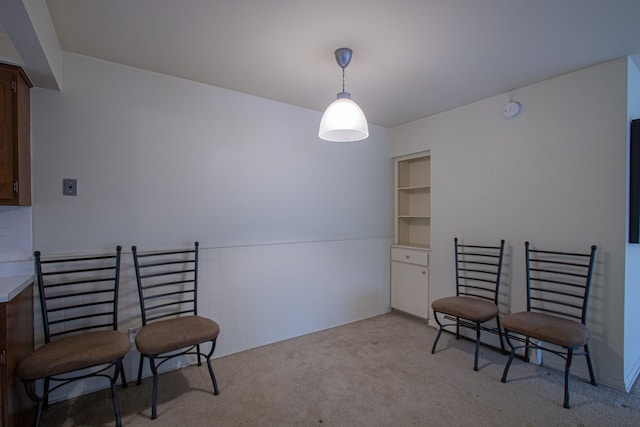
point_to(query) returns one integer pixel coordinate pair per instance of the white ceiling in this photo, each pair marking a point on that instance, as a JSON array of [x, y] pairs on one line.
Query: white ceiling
[[411, 58]]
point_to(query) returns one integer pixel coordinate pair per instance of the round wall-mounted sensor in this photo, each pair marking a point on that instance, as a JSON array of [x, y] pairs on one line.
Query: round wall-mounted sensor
[[512, 109]]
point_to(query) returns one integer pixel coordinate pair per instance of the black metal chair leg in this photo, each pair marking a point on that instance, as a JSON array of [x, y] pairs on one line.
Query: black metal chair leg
[[114, 394], [45, 394], [500, 334], [511, 356], [31, 392], [123, 377], [567, 372], [475, 363], [433, 348], [213, 377], [140, 370], [199, 361], [440, 328], [588, 356], [38, 416], [457, 328], [508, 365], [154, 392]]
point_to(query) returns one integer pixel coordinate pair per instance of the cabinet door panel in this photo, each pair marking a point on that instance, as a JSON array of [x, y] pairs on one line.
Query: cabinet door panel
[[16, 324], [4, 417], [410, 288], [6, 135]]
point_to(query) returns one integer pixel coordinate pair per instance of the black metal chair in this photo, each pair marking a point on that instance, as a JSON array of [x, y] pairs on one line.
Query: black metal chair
[[79, 303], [171, 327], [558, 286], [478, 272]]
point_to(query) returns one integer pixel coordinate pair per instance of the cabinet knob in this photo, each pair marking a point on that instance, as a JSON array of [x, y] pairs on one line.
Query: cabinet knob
[[407, 256], [424, 272]]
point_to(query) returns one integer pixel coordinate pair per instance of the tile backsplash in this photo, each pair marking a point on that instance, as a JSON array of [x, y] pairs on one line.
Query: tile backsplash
[[15, 234]]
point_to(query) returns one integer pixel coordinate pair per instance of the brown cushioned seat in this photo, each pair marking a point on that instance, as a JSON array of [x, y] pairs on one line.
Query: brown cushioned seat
[[552, 329], [73, 353], [172, 334], [470, 308]]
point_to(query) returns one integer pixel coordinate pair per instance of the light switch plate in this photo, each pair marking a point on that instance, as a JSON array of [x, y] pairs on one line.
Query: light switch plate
[[70, 187]]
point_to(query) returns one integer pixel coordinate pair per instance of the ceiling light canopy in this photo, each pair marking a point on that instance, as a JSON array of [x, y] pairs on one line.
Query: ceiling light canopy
[[343, 121]]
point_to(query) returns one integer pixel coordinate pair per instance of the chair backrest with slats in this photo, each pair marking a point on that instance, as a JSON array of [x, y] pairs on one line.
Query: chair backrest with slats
[[558, 283], [78, 294], [167, 283], [478, 270]]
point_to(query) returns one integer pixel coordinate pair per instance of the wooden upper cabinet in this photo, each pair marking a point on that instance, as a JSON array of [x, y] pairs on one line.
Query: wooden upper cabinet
[[15, 153]]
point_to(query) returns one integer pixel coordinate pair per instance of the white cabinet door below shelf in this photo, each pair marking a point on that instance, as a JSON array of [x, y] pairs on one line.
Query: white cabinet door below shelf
[[410, 288]]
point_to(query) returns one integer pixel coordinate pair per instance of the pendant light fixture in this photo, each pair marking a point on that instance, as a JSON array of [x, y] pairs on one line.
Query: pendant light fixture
[[343, 121]]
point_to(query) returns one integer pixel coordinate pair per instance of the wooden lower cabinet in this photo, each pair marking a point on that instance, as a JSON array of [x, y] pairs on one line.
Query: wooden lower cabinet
[[16, 343]]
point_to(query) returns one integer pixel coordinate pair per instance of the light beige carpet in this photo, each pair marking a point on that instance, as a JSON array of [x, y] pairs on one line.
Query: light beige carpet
[[376, 372]]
